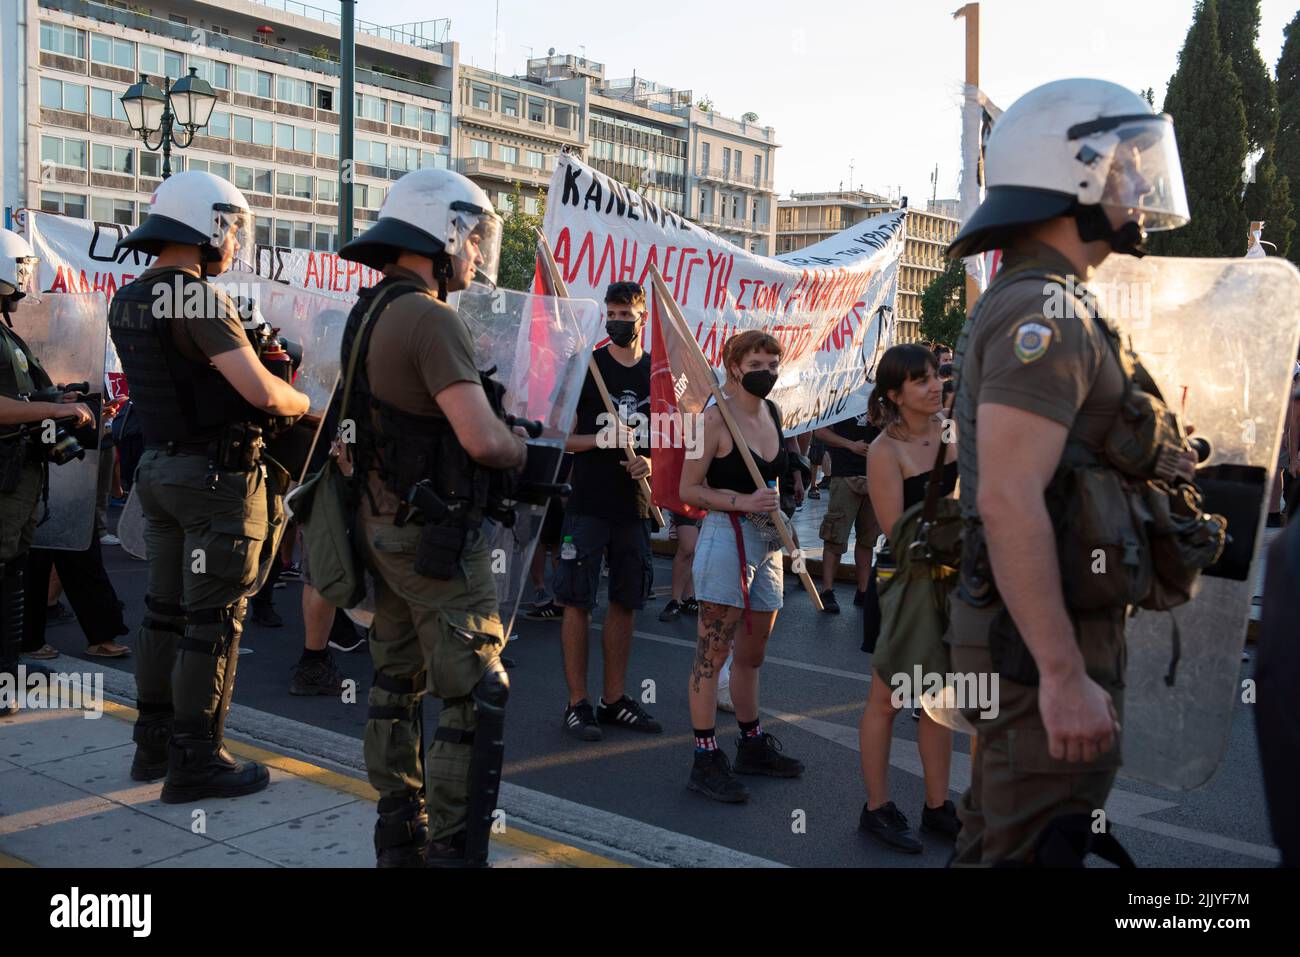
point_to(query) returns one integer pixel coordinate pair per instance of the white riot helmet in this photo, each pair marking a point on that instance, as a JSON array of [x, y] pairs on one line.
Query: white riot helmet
[[197, 209], [1079, 147], [17, 265], [432, 211]]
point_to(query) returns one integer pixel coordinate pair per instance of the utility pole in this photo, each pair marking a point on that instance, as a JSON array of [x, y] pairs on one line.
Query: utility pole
[[347, 124], [971, 14]]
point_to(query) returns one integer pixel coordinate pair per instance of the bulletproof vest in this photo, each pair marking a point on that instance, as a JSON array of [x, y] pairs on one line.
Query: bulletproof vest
[[176, 398], [405, 448], [20, 371]]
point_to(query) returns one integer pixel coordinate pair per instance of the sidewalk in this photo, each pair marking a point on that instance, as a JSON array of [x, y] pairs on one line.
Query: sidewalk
[[67, 800]]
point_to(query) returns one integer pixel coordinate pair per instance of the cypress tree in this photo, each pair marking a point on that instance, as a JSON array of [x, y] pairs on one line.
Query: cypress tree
[[1204, 99], [1287, 151]]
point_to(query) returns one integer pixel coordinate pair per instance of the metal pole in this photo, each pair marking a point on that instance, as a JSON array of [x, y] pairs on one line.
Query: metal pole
[[167, 128], [971, 13], [347, 92]]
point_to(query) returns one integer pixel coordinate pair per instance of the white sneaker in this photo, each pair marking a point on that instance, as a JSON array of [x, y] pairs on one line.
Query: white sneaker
[[109, 539], [724, 688]]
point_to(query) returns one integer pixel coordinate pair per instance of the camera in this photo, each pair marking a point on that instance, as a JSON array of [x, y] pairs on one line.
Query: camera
[[66, 445]]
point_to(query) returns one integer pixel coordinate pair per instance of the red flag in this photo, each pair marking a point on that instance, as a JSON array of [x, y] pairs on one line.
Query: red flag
[[675, 397], [541, 354]]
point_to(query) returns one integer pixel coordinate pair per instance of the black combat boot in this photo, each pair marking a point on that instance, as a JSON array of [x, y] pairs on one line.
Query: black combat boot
[[12, 609], [152, 731], [450, 852], [762, 755], [199, 767], [402, 832]]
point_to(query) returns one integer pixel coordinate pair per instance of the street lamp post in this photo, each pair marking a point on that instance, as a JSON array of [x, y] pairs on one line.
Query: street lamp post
[[186, 103]]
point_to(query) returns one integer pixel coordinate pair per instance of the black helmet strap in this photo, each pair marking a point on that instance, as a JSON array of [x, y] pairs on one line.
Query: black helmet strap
[[1093, 224]]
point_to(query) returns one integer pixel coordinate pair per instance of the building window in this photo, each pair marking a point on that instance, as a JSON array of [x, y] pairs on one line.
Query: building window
[[726, 161], [327, 190], [482, 98], [284, 136], [151, 164], [327, 144], [534, 159], [531, 206], [436, 121], [510, 154], [57, 95], [263, 132], [111, 50], [106, 104], [243, 127], [431, 159], [324, 238], [378, 154], [161, 63], [563, 117], [704, 157], [324, 98], [69, 204], [738, 165], [253, 180], [289, 90], [252, 82], [537, 110], [510, 104], [113, 159], [63, 152], [403, 114], [218, 74], [505, 203], [303, 139], [218, 125], [480, 149], [370, 108], [66, 41], [262, 230], [119, 211], [758, 169]]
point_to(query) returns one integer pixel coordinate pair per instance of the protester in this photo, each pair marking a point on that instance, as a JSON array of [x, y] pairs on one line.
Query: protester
[[850, 507], [686, 531], [549, 542], [737, 570], [606, 513], [907, 404]]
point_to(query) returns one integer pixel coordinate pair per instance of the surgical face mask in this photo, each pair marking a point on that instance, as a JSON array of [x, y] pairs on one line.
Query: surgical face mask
[[1255, 234], [758, 383], [621, 332]]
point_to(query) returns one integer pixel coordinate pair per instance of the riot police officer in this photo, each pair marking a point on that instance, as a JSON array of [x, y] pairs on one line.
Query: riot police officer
[[1077, 170], [22, 453], [426, 432], [202, 397]]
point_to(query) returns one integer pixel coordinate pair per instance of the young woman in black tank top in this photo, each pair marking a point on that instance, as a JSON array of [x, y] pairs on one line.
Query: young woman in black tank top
[[737, 570], [908, 405]]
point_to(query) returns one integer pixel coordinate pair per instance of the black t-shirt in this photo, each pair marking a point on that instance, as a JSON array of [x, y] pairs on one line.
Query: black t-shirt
[[601, 485], [843, 461]]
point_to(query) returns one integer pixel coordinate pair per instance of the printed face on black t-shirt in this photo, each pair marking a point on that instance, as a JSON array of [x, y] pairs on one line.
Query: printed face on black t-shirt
[[601, 484]]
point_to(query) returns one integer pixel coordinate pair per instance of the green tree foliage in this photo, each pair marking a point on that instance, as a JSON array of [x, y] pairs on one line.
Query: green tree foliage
[[1204, 98], [1238, 32], [943, 305], [519, 243], [1287, 151]]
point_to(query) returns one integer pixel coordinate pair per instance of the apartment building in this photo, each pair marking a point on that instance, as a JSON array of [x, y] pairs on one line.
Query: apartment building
[[274, 132], [809, 218], [677, 150], [509, 131]]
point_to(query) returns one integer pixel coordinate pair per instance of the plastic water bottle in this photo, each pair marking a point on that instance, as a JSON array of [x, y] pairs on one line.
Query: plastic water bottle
[[568, 551]]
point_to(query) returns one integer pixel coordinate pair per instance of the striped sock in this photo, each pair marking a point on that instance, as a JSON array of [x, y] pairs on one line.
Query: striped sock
[[751, 729], [706, 739]]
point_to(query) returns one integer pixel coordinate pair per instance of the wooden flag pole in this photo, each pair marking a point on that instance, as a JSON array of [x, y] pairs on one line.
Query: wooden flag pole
[[671, 309], [562, 291]]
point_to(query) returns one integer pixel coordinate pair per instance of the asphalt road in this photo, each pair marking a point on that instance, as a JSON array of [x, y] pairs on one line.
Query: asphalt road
[[814, 686]]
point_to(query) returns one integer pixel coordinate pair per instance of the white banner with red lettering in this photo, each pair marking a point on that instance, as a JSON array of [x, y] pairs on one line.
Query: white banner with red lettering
[[830, 305]]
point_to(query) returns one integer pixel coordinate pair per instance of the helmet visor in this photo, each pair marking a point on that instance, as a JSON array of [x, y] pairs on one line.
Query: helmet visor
[[24, 273], [474, 235], [230, 224], [1143, 176]]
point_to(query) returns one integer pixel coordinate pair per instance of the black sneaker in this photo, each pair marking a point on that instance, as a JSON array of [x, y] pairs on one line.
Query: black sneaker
[[888, 826], [580, 721], [292, 572], [267, 616], [345, 636], [762, 755], [711, 776], [672, 611], [825, 483], [690, 606], [941, 820], [626, 713], [829, 604], [858, 598], [550, 611], [313, 676]]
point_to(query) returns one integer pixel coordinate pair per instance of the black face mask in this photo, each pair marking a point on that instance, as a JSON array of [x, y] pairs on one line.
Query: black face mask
[[758, 383], [621, 332]]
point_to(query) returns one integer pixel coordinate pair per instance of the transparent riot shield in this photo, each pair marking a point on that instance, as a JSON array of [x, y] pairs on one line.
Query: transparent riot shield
[[130, 527], [540, 347], [311, 323], [1219, 336], [68, 333]]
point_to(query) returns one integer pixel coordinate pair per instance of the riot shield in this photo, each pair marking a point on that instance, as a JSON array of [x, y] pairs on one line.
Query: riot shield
[[540, 347], [311, 323], [130, 527], [68, 333], [1219, 336]]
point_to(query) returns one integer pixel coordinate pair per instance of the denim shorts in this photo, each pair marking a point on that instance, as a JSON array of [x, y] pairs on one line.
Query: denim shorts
[[716, 569]]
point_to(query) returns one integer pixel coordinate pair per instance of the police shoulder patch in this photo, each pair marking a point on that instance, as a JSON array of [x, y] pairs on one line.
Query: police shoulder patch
[[21, 359], [1031, 341]]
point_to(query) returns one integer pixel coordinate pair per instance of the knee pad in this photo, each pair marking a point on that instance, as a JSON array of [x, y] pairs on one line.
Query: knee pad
[[165, 616]]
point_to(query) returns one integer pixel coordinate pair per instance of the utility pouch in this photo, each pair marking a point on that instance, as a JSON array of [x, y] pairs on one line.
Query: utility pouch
[[438, 550], [240, 447], [1104, 554], [13, 456]]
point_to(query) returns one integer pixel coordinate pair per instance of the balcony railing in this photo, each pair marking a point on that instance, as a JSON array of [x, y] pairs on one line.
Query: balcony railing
[[426, 34], [519, 122], [220, 41], [719, 175], [483, 166]]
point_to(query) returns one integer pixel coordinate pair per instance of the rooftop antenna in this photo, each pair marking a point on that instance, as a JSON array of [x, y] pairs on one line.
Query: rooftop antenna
[[850, 175], [496, 36], [934, 183]]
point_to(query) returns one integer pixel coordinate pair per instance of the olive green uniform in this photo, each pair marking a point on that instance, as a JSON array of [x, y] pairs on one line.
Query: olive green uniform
[[1027, 348], [428, 635]]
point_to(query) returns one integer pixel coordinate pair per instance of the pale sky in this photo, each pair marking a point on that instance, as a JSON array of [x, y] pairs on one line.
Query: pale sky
[[875, 83]]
